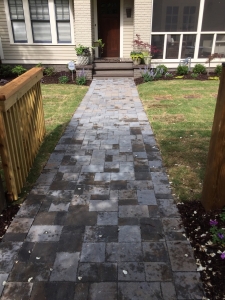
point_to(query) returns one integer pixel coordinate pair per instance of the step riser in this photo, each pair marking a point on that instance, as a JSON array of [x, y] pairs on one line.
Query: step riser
[[113, 65], [114, 73]]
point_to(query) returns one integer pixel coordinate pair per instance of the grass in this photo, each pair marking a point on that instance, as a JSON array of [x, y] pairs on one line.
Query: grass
[[181, 115], [60, 103]]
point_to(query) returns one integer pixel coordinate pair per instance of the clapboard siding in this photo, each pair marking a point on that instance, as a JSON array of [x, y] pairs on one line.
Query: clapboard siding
[[128, 28]]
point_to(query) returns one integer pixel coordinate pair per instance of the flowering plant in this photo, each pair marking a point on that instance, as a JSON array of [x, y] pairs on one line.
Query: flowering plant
[[218, 234], [145, 48], [81, 78]]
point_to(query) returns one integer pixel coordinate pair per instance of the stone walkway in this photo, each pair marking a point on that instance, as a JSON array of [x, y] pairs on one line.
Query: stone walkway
[[100, 223]]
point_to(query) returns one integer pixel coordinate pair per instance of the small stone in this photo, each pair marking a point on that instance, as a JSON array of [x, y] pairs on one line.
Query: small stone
[[29, 280], [124, 272], [37, 257], [4, 283], [79, 278], [186, 255]]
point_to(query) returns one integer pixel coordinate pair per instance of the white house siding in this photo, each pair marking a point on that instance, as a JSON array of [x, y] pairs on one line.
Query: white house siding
[[31, 53], [142, 19], [128, 28]]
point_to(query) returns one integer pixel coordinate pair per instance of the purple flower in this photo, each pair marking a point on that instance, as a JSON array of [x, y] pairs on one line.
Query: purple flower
[[220, 235], [222, 255], [213, 222]]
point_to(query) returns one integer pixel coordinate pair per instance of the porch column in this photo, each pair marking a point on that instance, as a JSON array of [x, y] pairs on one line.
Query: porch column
[[142, 19], [83, 29]]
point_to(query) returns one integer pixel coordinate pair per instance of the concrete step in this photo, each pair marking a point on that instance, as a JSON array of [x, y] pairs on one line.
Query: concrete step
[[113, 73]]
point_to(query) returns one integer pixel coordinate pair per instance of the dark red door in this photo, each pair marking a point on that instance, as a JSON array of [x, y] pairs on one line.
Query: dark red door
[[109, 26]]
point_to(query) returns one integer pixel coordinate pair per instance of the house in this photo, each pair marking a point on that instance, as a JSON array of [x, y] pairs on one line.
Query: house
[[46, 31]]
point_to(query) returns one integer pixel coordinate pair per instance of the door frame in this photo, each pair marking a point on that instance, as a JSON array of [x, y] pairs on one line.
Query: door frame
[[121, 25]]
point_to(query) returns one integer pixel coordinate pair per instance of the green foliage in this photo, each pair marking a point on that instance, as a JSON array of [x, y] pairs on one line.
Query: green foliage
[[167, 74], [6, 70], [63, 79], [199, 69], [222, 216], [218, 70], [81, 78], [136, 54], [82, 50], [218, 235], [162, 67], [182, 70], [39, 65], [194, 75], [49, 71], [18, 70]]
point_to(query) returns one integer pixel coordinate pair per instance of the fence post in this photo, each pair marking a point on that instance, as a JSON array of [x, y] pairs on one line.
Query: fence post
[[213, 193]]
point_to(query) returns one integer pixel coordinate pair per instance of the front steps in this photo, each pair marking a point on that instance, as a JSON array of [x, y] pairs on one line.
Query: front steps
[[112, 68]]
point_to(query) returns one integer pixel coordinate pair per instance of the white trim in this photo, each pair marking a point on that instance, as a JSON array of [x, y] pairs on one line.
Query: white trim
[[96, 26], [1, 50], [26, 12], [51, 11], [121, 27], [214, 43]]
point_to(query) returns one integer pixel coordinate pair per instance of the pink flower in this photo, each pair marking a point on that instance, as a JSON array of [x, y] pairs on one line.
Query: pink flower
[[213, 222], [222, 255]]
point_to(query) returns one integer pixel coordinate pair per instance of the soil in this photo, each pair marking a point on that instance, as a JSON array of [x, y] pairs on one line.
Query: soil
[[195, 220]]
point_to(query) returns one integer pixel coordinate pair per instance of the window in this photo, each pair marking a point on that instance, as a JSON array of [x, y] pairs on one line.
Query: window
[[40, 21], [189, 15], [214, 15], [63, 21], [171, 18], [17, 21]]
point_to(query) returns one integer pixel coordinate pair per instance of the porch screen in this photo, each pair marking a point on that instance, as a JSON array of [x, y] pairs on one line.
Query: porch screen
[[40, 21], [62, 14], [17, 21]]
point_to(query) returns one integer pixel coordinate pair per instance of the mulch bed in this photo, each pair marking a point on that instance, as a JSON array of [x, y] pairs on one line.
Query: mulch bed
[[6, 217]]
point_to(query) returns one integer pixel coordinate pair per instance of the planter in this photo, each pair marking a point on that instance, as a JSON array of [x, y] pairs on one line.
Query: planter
[[136, 61], [147, 60], [82, 60]]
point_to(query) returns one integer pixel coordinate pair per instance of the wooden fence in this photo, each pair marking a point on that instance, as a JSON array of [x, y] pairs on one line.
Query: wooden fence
[[22, 128], [213, 194]]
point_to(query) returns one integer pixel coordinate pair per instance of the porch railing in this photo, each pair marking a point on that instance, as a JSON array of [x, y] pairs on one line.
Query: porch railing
[[22, 128]]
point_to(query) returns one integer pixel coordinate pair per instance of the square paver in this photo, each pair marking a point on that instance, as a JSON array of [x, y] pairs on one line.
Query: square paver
[[65, 267], [59, 206], [167, 208], [103, 205], [8, 252], [146, 197], [93, 252], [21, 290], [53, 290], [168, 291], [140, 184], [139, 291], [133, 211], [107, 218], [103, 291], [181, 256], [151, 230], [188, 286], [129, 234], [131, 271], [96, 272], [155, 252], [124, 252], [158, 271], [101, 234], [20, 225], [80, 199], [159, 178], [44, 233], [3, 277]]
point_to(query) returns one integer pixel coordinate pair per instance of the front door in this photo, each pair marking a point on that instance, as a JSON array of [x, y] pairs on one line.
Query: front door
[[109, 26]]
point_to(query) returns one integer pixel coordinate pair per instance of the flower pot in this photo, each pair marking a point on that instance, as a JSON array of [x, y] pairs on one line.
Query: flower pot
[[82, 60], [136, 61], [147, 60]]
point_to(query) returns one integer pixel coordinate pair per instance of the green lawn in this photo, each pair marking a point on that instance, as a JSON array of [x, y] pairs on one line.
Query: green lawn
[[60, 103], [181, 115]]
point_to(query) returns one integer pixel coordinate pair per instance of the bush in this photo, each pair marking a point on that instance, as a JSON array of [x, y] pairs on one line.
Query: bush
[[63, 79], [49, 71], [194, 75], [6, 70], [182, 70], [163, 68], [39, 65], [168, 75], [199, 69], [149, 75], [218, 70], [18, 70], [81, 78]]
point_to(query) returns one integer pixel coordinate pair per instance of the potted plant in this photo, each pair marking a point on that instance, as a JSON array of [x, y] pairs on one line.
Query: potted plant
[[136, 56], [100, 46], [83, 54]]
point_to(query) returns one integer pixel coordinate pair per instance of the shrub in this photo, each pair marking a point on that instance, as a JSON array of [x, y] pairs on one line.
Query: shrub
[[194, 75], [49, 71], [63, 79], [18, 70], [218, 70], [81, 78], [168, 74], [199, 69], [162, 67], [182, 70], [150, 75], [39, 65], [6, 70]]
